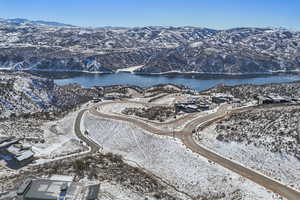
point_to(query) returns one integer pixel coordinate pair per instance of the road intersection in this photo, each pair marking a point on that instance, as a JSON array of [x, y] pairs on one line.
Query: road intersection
[[186, 136]]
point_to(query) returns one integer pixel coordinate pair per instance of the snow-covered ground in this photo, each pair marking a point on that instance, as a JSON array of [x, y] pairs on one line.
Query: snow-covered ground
[[130, 69], [24, 94], [118, 192], [117, 107], [166, 100], [280, 166], [170, 160], [140, 99], [60, 139], [109, 191]]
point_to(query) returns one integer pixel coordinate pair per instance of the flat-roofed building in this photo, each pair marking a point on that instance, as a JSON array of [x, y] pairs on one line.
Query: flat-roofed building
[[44, 189], [20, 154], [25, 155]]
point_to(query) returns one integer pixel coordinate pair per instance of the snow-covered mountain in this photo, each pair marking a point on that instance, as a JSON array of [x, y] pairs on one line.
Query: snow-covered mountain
[[27, 45], [35, 22], [22, 93]]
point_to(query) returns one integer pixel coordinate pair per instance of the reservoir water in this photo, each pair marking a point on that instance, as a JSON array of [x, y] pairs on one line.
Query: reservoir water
[[197, 82]]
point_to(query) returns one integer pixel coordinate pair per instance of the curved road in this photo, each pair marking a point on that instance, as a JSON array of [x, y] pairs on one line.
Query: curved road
[[180, 119], [186, 136], [93, 145]]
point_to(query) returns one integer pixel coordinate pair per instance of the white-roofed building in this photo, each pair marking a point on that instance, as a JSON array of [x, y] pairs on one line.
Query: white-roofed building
[[19, 153]]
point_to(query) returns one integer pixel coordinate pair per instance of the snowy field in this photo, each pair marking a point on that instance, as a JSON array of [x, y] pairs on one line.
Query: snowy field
[[166, 100], [170, 160], [111, 191], [280, 166], [130, 69], [60, 139], [171, 99], [117, 107]]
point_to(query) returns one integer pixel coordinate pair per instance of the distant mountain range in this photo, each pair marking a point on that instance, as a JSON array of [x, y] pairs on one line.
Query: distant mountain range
[[36, 22], [40, 45]]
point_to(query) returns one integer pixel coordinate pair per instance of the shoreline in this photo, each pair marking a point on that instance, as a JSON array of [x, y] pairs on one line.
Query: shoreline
[[175, 73], [218, 73]]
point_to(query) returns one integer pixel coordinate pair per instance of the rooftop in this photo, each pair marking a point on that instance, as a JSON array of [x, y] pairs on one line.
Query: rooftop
[[25, 155], [19, 153], [44, 189]]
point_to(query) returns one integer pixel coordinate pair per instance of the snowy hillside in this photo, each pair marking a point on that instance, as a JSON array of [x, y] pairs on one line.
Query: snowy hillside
[[43, 46], [22, 93]]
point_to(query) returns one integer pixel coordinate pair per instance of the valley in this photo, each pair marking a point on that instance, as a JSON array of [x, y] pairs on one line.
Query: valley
[[188, 154]]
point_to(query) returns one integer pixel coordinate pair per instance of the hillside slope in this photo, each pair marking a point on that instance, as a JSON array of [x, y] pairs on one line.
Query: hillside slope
[[36, 46], [22, 93]]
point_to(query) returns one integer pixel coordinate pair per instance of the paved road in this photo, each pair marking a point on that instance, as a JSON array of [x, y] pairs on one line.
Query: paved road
[[94, 146], [267, 182], [181, 119], [186, 136]]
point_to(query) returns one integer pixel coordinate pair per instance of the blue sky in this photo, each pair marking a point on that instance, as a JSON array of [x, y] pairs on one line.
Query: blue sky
[[217, 14]]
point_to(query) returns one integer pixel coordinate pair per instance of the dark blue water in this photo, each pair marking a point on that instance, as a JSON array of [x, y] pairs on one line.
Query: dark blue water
[[197, 82]]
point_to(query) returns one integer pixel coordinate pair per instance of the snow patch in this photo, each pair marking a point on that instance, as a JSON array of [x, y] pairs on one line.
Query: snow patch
[[168, 158]]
